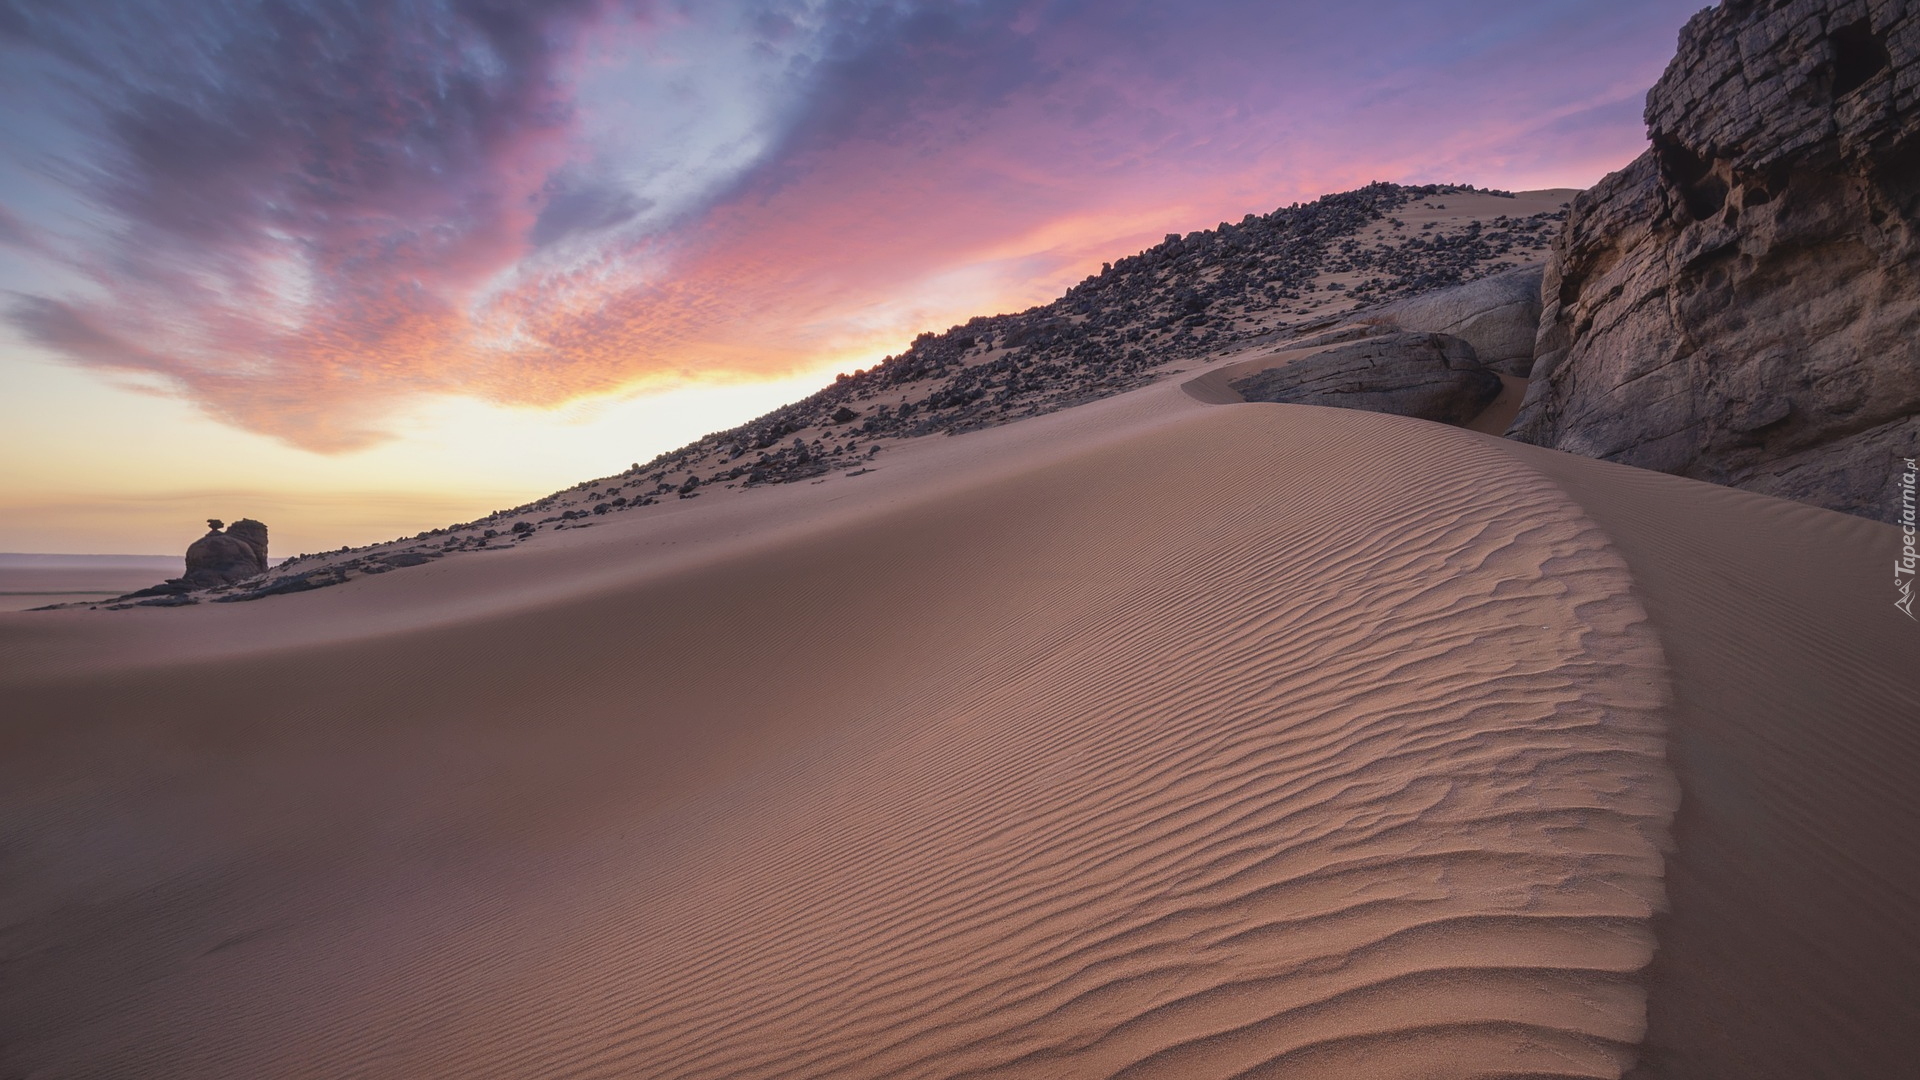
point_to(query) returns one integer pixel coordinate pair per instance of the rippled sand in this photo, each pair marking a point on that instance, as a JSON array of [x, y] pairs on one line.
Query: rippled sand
[[1152, 738]]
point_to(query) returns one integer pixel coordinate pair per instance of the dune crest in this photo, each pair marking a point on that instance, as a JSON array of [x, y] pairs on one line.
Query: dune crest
[[1263, 741]]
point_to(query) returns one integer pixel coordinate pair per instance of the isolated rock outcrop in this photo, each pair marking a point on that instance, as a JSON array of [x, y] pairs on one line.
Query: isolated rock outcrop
[[1741, 304], [1498, 315], [1429, 376], [223, 558]]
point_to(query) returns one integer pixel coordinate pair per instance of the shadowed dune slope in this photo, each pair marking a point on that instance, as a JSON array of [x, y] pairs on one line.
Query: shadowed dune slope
[[1265, 741], [1793, 945]]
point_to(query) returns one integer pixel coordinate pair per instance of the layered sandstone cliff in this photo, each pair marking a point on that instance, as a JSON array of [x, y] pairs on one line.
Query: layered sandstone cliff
[[1741, 303]]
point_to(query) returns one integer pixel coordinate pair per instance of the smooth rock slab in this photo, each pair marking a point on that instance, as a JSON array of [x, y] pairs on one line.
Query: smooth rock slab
[[1498, 315], [1428, 376]]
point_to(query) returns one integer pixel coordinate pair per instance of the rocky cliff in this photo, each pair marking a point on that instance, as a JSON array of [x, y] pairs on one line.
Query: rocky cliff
[[1741, 303]]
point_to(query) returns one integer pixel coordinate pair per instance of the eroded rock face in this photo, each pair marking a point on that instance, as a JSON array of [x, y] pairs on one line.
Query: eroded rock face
[[1429, 376], [223, 558], [1498, 315], [1741, 303], [254, 535]]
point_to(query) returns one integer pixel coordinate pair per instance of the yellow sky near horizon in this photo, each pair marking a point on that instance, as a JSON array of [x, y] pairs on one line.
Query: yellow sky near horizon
[[106, 462], [242, 276], [100, 462], [99, 468]]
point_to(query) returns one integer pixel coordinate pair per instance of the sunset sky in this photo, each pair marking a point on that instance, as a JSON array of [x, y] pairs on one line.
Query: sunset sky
[[364, 267]]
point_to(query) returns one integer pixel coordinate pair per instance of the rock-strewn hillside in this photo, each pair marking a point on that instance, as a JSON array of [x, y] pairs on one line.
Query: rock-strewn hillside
[[1741, 304], [1187, 298]]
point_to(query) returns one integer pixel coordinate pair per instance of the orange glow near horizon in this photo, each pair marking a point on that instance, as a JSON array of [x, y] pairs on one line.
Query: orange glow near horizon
[[378, 319]]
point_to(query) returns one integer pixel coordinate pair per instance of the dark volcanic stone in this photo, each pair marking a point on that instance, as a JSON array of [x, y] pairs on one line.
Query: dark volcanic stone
[[1428, 376]]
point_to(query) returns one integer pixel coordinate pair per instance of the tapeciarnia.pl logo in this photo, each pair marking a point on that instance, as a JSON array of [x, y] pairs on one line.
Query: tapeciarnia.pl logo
[[1904, 566]]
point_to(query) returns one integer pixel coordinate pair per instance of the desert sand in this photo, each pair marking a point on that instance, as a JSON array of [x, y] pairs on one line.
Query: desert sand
[[1162, 736]]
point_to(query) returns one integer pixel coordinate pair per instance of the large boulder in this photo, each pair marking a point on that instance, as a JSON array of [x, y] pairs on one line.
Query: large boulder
[[223, 558], [1498, 315], [254, 535], [1429, 376], [1741, 304]]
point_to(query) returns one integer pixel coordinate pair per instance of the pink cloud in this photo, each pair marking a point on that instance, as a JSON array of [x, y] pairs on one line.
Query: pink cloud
[[316, 219]]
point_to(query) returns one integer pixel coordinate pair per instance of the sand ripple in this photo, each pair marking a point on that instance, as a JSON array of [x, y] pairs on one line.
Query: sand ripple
[[1272, 742]]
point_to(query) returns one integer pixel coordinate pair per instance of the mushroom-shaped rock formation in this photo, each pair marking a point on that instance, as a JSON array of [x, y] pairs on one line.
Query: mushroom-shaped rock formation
[[223, 558]]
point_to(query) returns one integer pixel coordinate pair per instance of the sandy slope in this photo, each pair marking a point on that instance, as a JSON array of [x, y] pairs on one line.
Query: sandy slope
[[1150, 738], [1793, 946]]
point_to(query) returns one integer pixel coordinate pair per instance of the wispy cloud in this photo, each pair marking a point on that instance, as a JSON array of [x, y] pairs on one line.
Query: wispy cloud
[[300, 215], [303, 203]]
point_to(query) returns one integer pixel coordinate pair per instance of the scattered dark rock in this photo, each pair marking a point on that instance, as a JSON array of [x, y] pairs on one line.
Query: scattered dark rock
[[1116, 330], [1192, 295], [411, 558], [293, 583]]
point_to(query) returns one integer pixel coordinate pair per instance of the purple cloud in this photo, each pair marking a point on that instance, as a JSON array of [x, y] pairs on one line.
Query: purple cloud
[[300, 213]]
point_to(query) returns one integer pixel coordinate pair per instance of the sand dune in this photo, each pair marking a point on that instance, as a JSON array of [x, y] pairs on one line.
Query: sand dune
[[1793, 946], [1150, 738]]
